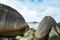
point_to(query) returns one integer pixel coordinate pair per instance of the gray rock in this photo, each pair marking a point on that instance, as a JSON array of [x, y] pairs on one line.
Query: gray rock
[[44, 28], [53, 35], [18, 37], [58, 28], [12, 23], [28, 35]]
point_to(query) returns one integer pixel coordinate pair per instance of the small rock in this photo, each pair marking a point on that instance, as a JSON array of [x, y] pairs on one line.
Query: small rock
[[58, 29], [31, 31], [27, 38], [53, 32], [18, 37], [53, 35], [23, 38]]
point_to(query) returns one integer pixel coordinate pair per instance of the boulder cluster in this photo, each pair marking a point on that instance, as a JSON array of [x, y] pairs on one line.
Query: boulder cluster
[[14, 27], [48, 29]]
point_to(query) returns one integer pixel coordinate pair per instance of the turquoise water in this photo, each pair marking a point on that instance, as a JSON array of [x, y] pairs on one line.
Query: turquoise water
[[33, 25]]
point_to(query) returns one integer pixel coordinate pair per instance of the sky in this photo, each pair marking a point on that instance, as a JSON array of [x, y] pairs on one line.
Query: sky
[[35, 10]]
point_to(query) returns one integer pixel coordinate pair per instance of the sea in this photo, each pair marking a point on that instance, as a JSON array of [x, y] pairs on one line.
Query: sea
[[33, 25]]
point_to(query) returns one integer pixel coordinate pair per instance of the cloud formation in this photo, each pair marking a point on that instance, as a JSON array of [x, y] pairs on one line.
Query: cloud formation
[[35, 10]]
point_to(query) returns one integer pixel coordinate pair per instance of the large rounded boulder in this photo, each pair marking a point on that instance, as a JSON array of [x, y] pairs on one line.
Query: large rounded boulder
[[12, 23]]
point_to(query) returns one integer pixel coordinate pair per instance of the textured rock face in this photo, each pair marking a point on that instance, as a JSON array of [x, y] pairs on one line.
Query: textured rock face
[[54, 34], [28, 35], [44, 27], [11, 22]]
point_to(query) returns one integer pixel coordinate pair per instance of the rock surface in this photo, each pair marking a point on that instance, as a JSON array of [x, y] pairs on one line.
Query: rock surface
[[44, 28], [28, 35], [53, 35], [12, 23]]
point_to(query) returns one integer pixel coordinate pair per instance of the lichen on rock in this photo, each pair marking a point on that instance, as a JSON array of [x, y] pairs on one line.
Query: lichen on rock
[[28, 35]]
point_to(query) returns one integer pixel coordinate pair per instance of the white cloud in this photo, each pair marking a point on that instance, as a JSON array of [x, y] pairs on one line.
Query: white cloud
[[34, 11]]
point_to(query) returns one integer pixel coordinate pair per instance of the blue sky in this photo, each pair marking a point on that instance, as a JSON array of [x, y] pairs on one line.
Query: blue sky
[[35, 10]]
